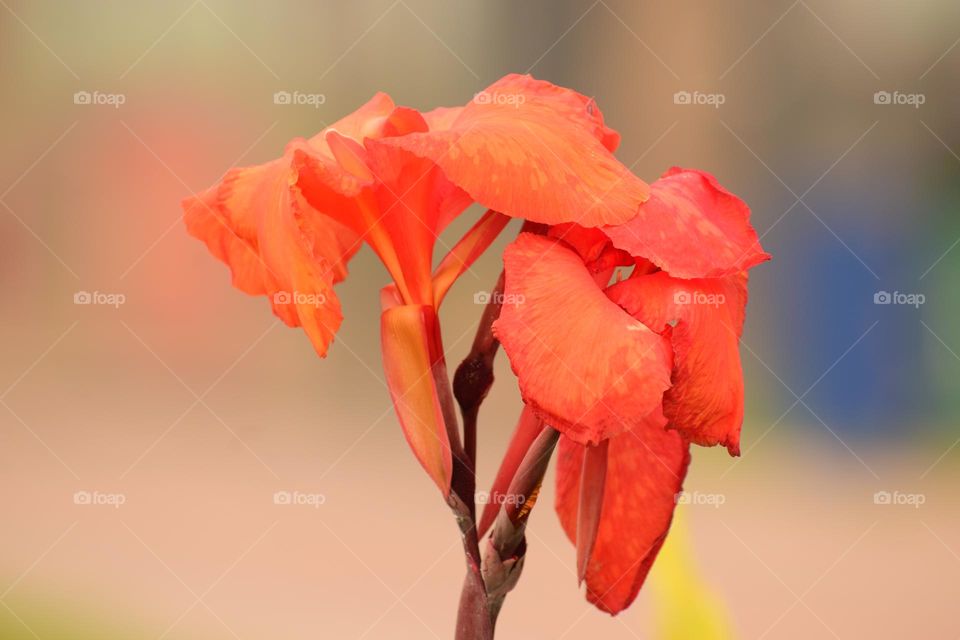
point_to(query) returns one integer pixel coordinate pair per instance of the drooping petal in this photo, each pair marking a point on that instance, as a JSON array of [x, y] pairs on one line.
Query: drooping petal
[[705, 403], [645, 471], [691, 227], [410, 354], [586, 366], [257, 222], [530, 149]]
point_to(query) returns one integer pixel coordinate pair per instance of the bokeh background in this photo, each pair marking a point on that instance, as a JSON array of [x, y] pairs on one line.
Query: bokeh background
[[193, 405]]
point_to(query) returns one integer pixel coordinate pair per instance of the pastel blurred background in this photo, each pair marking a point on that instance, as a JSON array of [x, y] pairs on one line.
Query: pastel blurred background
[[192, 406]]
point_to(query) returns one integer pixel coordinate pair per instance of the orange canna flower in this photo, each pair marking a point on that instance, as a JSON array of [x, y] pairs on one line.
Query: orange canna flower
[[641, 368], [393, 177], [620, 374]]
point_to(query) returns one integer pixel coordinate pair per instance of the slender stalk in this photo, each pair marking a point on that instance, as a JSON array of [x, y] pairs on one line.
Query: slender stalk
[[474, 376], [471, 383], [491, 575], [474, 621]]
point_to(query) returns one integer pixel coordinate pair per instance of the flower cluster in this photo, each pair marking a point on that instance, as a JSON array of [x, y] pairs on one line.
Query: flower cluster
[[630, 297]]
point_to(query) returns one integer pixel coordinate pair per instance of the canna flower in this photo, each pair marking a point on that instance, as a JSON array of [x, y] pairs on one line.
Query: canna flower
[[393, 178], [631, 372]]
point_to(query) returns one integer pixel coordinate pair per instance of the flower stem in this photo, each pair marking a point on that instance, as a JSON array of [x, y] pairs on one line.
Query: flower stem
[[474, 621], [471, 382], [474, 376]]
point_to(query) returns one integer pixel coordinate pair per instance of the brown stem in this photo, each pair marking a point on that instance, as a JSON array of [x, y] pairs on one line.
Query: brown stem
[[479, 605], [474, 376], [474, 621], [471, 383]]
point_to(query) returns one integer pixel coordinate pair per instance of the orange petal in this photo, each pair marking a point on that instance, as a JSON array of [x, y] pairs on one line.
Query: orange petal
[[399, 213], [595, 248], [442, 117], [366, 122], [530, 149], [410, 353], [645, 471], [705, 403], [258, 224], [691, 227], [586, 366]]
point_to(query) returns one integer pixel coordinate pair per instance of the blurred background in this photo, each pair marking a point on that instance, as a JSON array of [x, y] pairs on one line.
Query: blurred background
[[143, 437]]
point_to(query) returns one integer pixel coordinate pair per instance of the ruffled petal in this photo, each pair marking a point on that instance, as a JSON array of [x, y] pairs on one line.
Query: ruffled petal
[[586, 366], [705, 403], [442, 117], [691, 227], [366, 122], [530, 149], [255, 221], [645, 471]]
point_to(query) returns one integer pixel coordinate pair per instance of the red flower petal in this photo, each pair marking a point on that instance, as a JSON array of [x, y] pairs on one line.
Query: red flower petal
[[253, 222], [705, 403], [589, 242], [691, 227], [586, 366], [645, 471], [533, 150]]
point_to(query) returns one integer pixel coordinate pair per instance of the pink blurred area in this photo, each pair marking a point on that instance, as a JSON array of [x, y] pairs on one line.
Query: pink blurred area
[[197, 406]]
